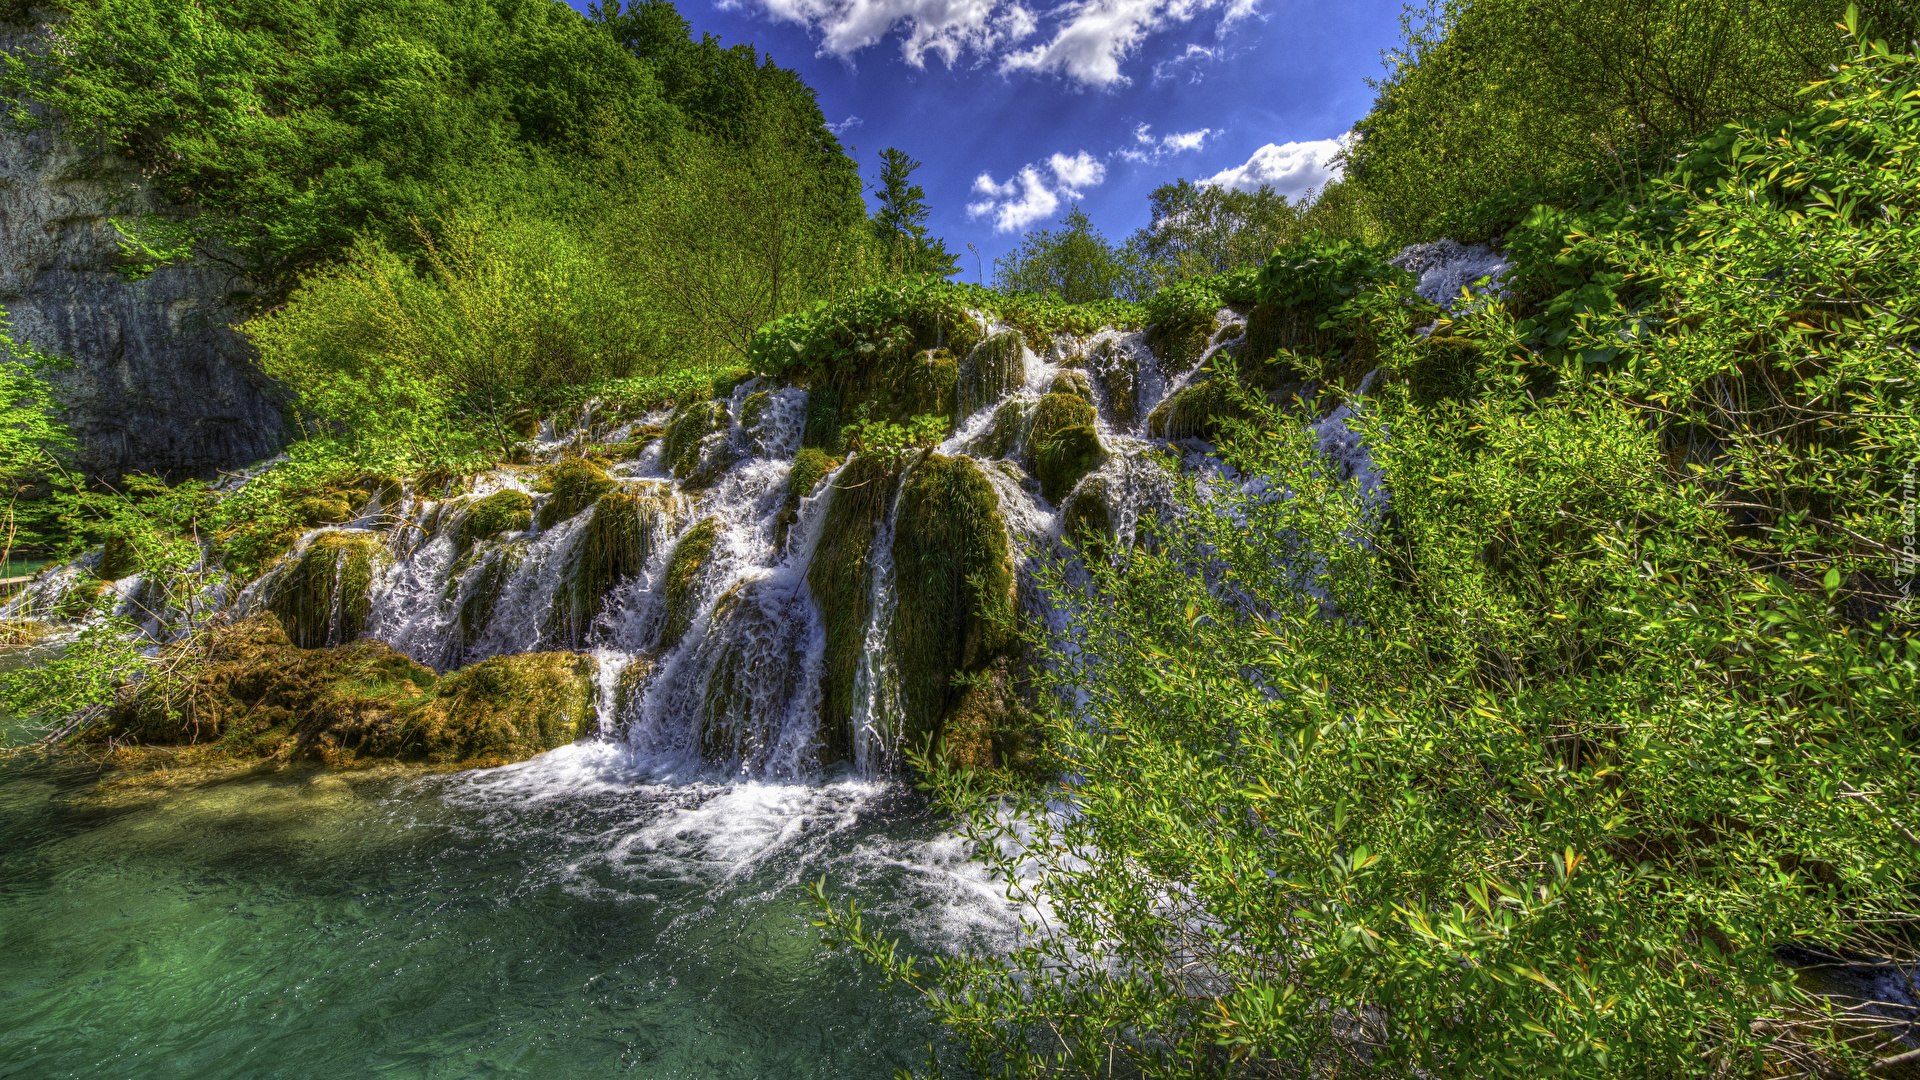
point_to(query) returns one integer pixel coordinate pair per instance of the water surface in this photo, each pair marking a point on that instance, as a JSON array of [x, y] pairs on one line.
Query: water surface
[[572, 916]]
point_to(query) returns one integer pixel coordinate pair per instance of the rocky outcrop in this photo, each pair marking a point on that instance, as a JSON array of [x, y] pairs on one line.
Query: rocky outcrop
[[161, 382]]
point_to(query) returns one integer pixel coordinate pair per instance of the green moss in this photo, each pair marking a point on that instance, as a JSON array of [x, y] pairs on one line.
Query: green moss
[[118, 559], [1118, 374], [932, 384], [524, 423], [841, 581], [79, 601], [1197, 411], [1064, 444], [1073, 383], [809, 467], [754, 409], [1181, 342], [1008, 429], [1444, 369], [995, 368], [503, 511], [953, 580], [685, 572], [325, 598], [576, 484], [690, 424], [504, 709], [988, 728], [476, 610], [615, 547], [329, 508], [1087, 519], [724, 383]]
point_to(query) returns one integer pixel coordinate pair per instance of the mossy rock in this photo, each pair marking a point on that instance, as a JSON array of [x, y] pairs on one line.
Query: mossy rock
[[575, 483], [953, 580], [1198, 411], [1064, 444], [1087, 520], [118, 559], [1271, 330], [524, 423], [328, 508], [501, 512], [326, 597], [691, 424], [1008, 431], [1118, 373], [746, 698], [1444, 369], [483, 594], [686, 573], [78, 602], [615, 547], [630, 688], [841, 581], [1180, 343], [501, 710], [248, 691], [754, 409], [1074, 383], [989, 727], [932, 385], [725, 382], [995, 368], [810, 466]]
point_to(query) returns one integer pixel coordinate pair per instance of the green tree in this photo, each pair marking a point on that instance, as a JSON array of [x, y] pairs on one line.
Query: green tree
[[901, 219], [33, 441], [1073, 262]]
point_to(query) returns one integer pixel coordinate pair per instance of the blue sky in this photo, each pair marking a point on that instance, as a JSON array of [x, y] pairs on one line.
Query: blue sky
[[1017, 111]]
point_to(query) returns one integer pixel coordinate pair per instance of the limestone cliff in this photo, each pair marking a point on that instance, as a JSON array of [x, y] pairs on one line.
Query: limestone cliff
[[161, 383]]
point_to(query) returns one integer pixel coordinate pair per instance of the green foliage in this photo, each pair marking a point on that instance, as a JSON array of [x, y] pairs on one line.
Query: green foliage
[[901, 220], [1201, 230], [1540, 772], [882, 439], [33, 441], [1073, 263], [1484, 98]]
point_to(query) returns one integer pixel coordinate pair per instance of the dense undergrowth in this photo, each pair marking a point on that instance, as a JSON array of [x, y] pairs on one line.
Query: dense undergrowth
[[1549, 757]]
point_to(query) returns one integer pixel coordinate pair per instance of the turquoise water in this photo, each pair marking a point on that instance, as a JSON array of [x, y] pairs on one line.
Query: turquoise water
[[572, 916]]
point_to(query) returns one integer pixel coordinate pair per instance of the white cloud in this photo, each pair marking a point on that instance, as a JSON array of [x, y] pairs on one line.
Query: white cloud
[[1187, 66], [1150, 147], [1291, 168], [1089, 38], [1035, 191], [845, 126]]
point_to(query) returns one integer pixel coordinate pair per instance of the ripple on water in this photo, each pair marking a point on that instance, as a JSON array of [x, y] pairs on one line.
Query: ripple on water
[[585, 913]]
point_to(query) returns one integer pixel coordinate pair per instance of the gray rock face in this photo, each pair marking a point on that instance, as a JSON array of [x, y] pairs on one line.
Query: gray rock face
[[160, 382], [1447, 266]]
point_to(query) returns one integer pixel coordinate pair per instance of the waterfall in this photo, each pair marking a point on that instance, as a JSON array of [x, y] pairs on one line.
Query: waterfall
[[669, 547]]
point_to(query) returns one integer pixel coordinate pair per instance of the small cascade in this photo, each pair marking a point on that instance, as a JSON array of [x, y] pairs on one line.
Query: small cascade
[[747, 617]]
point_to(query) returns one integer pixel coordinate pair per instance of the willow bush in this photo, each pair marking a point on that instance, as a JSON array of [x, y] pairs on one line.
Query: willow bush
[[1543, 756]]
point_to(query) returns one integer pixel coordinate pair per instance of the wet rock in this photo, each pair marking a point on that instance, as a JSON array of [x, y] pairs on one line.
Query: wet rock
[[841, 581], [1063, 443], [1445, 267], [995, 368], [324, 598], [686, 572]]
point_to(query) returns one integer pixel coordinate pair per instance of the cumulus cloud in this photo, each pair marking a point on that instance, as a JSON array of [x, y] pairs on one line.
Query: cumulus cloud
[[1150, 147], [1291, 168], [1089, 38], [1035, 191]]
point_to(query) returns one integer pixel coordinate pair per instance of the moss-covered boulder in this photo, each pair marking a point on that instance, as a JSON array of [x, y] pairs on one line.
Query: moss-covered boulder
[[1117, 372], [1271, 329], [995, 368], [1074, 383], [615, 547], [841, 581], [1063, 443], [1198, 411], [501, 710], [575, 484], [501, 512], [324, 598], [1008, 431], [1087, 520], [1444, 369], [691, 424], [953, 583], [325, 508], [686, 573], [989, 726], [932, 384], [1180, 342], [810, 466], [118, 559]]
